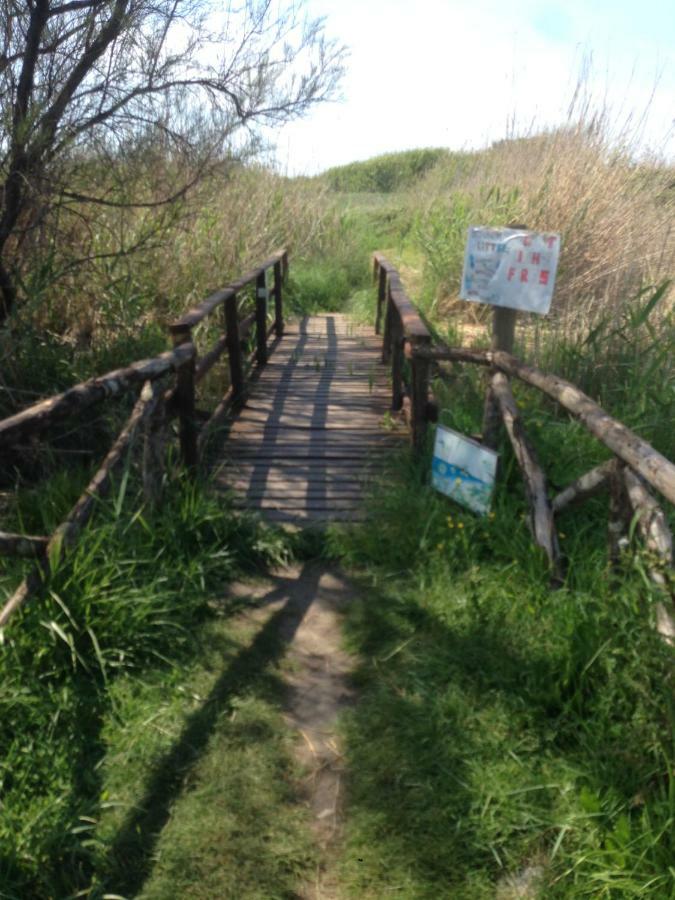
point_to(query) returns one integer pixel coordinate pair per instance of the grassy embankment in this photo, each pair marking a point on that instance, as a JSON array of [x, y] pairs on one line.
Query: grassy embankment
[[500, 727], [504, 730]]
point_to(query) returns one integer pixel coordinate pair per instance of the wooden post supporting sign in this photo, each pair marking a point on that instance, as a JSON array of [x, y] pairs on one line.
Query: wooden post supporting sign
[[503, 336]]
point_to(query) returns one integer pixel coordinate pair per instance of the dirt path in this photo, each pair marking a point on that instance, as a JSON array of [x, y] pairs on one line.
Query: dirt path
[[317, 671]]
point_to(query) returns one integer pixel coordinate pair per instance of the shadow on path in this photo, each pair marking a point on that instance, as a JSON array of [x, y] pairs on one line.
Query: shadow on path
[[131, 856]]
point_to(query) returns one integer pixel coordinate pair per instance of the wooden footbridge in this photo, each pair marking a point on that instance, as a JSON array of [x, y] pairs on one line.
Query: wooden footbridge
[[312, 425], [308, 408]]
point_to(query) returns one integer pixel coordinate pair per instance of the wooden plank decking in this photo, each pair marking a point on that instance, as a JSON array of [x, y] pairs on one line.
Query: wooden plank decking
[[312, 425]]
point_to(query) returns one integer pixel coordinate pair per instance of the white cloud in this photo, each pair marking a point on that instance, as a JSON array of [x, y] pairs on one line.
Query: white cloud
[[438, 73]]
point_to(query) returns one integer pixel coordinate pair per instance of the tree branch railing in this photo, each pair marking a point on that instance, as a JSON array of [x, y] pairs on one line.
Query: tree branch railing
[[245, 320], [635, 467]]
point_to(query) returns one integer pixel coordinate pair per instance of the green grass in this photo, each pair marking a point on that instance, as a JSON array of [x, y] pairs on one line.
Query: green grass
[[128, 679], [206, 753], [500, 725], [391, 171], [504, 728], [323, 287]]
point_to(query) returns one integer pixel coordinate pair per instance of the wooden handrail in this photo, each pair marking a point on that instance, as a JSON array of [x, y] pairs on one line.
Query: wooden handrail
[[655, 468], [239, 325], [413, 324], [154, 407], [195, 315], [44, 413], [403, 323], [198, 313], [67, 532]]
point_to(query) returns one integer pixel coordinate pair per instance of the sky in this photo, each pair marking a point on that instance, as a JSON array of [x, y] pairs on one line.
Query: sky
[[463, 73]]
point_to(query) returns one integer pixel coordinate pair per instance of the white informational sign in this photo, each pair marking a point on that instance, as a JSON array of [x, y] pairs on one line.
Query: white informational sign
[[463, 469], [510, 267]]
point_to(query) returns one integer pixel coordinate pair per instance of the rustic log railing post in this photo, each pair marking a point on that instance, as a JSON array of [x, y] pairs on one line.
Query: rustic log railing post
[[542, 523], [68, 531], [654, 467], [261, 318], [396, 349], [381, 275], [503, 334], [185, 401], [619, 515], [278, 300], [388, 322], [653, 527], [419, 399], [154, 439], [234, 347]]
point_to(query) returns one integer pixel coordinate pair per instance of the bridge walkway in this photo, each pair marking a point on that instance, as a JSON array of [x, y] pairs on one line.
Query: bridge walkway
[[315, 423]]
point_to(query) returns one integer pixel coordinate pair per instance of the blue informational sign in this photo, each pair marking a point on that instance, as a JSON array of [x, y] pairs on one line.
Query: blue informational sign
[[463, 469]]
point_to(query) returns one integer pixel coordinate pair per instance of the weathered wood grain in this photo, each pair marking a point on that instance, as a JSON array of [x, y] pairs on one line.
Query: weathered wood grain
[[653, 527], [584, 487], [300, 449]]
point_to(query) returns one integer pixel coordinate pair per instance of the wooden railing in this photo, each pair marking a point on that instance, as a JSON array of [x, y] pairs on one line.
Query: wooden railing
[[634, 469], [241, 319], [245, 319], [404, 333]]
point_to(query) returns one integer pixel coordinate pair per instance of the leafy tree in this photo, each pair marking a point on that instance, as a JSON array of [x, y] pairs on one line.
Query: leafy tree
[[91, 82]]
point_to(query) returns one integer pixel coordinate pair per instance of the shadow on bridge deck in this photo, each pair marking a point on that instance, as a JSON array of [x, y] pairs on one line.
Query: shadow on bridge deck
[[313, 424]]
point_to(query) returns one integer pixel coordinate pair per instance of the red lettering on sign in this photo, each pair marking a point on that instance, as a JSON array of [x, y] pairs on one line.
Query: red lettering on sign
[[550, 240], [510, 273], [527, 241], [535, 258], [543, 276], [519, 258], [523, 274]]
